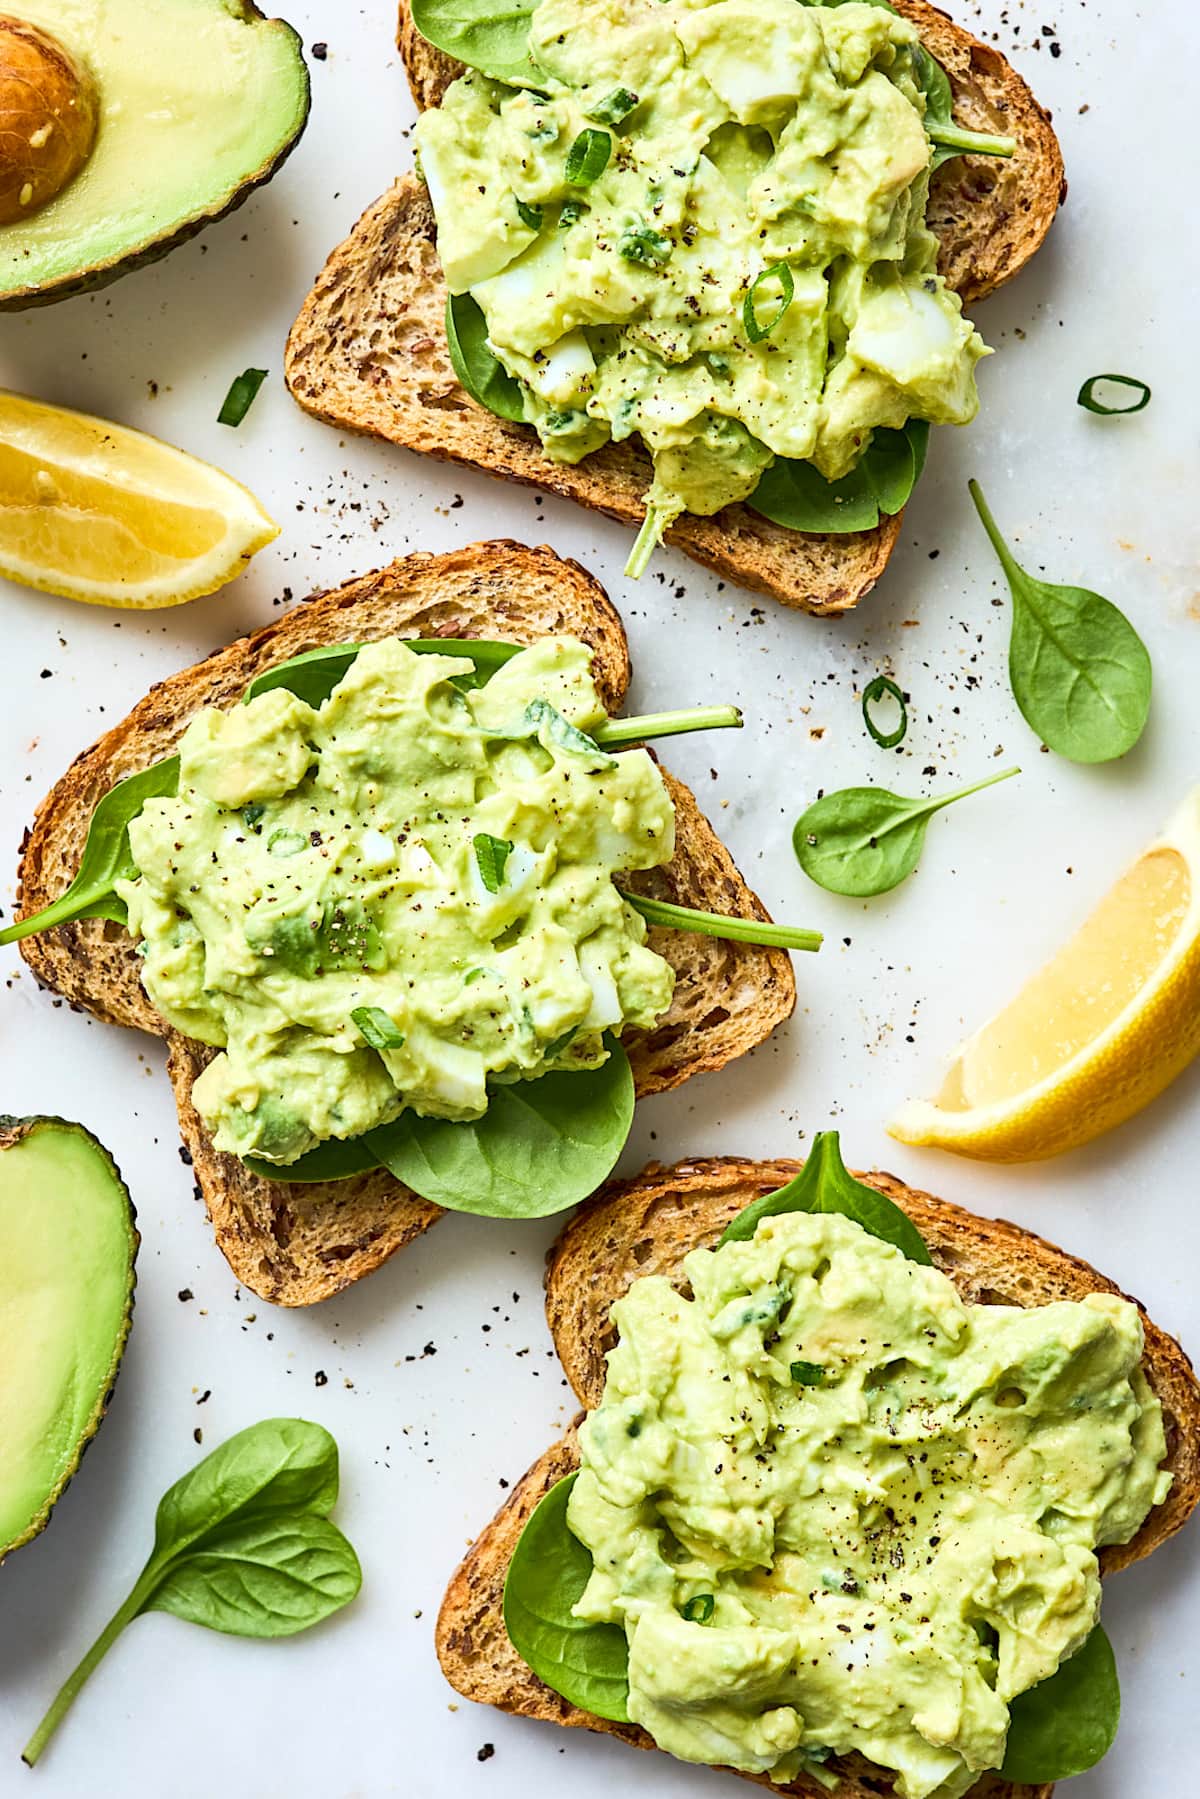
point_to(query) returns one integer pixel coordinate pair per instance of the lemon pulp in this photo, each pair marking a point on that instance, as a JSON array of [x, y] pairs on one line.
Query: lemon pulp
[[1070, 1002], [97, 512]]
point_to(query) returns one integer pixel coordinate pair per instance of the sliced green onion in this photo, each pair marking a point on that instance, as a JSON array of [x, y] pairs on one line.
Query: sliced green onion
[[642, 243], [668, 724], [875, 691], [491, 853], [1087, 394], [529, 215], [240, 397], [716, 924], [700, 1609], [807, 1374], [569, 212], [376, 1029], [756, 328], [615, 107], [588, 157]]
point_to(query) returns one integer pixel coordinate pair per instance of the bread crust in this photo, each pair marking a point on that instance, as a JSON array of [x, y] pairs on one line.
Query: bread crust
[[368, 349], [646, 1225], [295, 1244]]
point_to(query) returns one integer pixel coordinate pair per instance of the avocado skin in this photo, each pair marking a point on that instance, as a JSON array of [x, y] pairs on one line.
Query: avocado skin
[[89, 280], [12, 1130]]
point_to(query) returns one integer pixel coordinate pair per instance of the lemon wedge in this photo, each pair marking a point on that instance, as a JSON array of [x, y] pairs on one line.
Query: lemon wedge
[[97, 512], [1096, 1034]]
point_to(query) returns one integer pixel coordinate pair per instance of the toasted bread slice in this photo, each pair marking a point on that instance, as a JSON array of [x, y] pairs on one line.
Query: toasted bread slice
[[646, 1226], [368, 350], [295, 1244]]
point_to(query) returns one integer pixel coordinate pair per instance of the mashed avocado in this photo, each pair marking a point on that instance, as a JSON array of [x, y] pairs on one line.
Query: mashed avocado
[[838, 1509], [398, 897], [692, 175]]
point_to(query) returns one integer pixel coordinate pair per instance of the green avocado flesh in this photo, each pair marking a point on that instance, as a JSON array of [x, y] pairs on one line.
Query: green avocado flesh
[[200, 100], [67, 1249]]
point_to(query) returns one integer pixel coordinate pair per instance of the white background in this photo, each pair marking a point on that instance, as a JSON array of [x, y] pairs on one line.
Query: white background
[[359, 1708]]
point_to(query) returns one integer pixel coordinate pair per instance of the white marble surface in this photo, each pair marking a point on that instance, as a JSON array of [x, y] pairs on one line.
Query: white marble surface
[[358, 1710]]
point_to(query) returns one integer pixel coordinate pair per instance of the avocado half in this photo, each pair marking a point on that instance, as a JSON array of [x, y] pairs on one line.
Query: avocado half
[[198, 102], [68, 1242]]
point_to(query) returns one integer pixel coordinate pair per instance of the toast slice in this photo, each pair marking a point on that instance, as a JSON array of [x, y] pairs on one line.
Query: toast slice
[[646, 1226], [295, 1244], [368, 350]]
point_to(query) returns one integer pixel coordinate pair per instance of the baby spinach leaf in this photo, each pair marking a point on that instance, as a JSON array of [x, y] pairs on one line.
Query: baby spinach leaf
[[267, 1577], [947, 138], [1068, 1723], [334, 1160], [242, 1544], [376, 1028], [485, 1154], [825, 1185], [934, 83], [1079, 671], [1088, 398], [282, 1464], [106, 855], [478, 368], [313, 675], [545, 723], [895, 461], [864, 840], [795, 495], [587, 1663], [109, 907], [491, 853], [552, 727], [717, 924], [540, 1147], [489, 35]]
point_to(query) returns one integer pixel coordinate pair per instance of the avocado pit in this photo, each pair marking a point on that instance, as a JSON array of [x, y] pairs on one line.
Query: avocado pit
[[49, 112]]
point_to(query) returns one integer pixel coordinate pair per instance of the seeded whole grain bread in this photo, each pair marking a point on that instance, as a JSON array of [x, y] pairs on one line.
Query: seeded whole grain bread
[[368, 350], [646, 1226], [295, 1244]]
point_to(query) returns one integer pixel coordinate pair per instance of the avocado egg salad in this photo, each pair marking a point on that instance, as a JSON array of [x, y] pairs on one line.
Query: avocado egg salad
[[704, 225], [382, 889], [835, 1509], [387, 900]]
